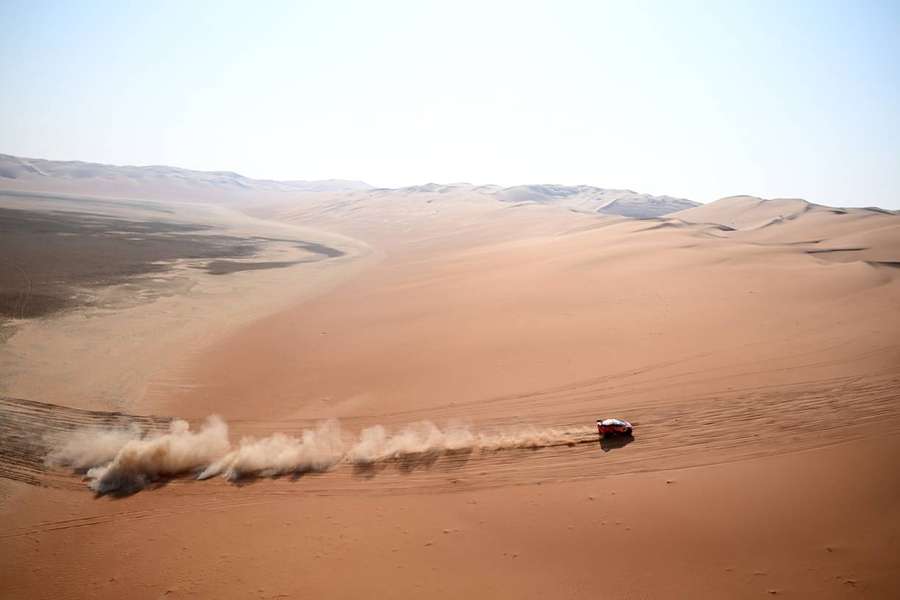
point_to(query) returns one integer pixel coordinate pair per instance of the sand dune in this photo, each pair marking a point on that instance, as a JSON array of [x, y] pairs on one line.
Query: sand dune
[[605, 201], [754, 342], [836, 234], [748, 212]]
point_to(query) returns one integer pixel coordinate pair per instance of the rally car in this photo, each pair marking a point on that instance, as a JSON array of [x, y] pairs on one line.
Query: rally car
[[607, 427]]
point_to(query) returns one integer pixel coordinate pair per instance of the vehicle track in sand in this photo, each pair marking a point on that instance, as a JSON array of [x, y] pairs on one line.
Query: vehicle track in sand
[[738, 425], [745, 424], [27, 427]]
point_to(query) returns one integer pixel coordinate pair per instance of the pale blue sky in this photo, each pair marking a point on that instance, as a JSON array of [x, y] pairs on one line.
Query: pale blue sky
[[694, 99]]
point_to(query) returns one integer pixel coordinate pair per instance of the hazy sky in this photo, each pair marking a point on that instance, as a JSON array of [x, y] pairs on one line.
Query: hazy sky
[[693, 99]]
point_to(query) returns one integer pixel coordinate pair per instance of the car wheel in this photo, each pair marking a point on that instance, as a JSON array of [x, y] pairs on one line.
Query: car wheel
[[628, 432]]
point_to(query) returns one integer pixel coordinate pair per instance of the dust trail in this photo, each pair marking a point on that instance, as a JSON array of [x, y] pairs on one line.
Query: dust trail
[[88, 447], [534, 437], [376, 444], [315, 450], [125, 460], [141, 461]]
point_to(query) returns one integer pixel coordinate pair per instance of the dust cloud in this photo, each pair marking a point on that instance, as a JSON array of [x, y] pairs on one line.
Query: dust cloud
[[126, 460]]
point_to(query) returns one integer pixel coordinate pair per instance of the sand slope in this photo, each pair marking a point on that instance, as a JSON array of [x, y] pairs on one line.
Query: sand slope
[[838, 234], [763, 377], [121, 290]]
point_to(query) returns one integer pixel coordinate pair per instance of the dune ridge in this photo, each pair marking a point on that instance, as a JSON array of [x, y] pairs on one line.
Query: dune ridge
[[226, 187]]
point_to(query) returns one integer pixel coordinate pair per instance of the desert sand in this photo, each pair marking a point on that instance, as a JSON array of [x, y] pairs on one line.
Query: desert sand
[[754, 343]]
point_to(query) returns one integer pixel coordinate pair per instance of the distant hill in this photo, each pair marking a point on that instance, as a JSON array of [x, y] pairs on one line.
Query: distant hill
[[626, 203], [173, 183], [582, 198], [35, 173]]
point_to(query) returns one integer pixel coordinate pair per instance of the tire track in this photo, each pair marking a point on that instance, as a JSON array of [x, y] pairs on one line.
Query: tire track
[[743, 424], [27, 428], [740, 425]]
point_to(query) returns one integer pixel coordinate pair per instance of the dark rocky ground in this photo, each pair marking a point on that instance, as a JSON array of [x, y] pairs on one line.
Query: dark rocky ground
[[47, 256], [53, 256]]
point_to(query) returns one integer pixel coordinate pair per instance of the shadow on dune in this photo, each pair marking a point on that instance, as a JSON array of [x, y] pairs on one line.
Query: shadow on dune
[[246, 479], [407, 463], [126, 490], [414, 461], [608, 444]]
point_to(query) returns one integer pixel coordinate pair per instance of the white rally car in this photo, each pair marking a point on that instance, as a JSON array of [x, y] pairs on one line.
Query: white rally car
[[606, 427]]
